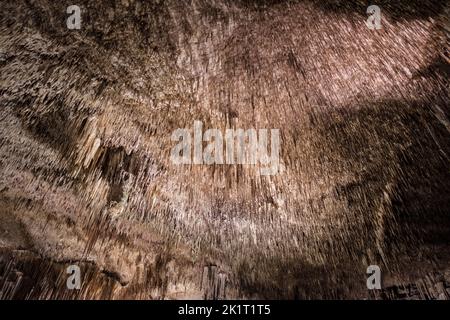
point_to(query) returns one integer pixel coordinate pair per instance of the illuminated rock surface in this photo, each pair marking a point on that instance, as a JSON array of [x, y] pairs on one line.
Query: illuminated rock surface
[[86, 119]]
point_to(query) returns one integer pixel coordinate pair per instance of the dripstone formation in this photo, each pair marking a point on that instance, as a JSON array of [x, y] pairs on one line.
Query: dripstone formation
[[86, 118]]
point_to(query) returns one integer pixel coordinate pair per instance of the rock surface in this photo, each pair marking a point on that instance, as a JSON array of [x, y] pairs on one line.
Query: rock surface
[[85, 137]]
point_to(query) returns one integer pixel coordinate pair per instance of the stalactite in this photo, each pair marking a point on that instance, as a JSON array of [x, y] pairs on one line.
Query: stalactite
[[85, 142]]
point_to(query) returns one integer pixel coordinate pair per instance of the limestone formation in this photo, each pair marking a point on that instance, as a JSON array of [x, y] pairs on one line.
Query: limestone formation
[[86, 118]]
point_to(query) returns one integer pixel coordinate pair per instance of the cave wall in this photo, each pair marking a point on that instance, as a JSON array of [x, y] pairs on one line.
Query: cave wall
[[86, 122]]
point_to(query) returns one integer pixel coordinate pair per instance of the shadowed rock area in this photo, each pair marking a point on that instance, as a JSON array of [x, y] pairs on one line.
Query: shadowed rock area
[[85, 139]]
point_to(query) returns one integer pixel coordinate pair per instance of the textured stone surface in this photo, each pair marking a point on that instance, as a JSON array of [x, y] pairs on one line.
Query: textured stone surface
[[86, 118]]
